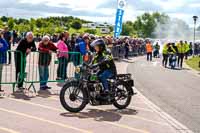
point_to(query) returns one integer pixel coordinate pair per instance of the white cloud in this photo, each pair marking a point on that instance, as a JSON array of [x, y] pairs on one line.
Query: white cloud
[[169, 4], [194, 5], [74, 4], [180, 15], [131, 13], [99, 10]]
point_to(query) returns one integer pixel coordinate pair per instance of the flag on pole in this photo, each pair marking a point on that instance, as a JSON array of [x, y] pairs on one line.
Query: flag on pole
[[119, 17]]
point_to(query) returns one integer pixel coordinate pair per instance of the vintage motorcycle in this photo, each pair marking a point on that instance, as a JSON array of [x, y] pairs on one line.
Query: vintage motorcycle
[[77, 93]]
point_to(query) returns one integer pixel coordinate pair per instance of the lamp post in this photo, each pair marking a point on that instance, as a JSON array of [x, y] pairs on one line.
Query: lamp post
[[195, 22]]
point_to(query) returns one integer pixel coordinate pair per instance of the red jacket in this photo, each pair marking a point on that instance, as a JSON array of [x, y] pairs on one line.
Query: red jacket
[[45, 54], [46, 48]]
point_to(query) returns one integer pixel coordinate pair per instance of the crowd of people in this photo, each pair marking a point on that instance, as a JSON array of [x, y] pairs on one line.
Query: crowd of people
[[172, 52], [180, 49], [64, 43]]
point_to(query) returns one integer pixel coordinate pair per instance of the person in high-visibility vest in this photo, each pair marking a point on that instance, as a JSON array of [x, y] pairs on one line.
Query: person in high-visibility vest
[[165, 54], [149, 49], [187, 48], [156, 50], [182, 49]]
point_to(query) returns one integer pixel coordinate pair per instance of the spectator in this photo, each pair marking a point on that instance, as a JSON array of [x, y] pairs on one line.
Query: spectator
[[196, 49], [69, 44], [165, 54], [73, 42], [15, 35], [54, 38], [182, 49], [25, 46], [67, 36], [8, 38], [86, 39], [92, 38], [72, 48], [62, 57], [67, 40], [156, 50], [191, 49], [149, 50], [80, 46], [126, 48], [187, 50], [3, 58], [46, 48]]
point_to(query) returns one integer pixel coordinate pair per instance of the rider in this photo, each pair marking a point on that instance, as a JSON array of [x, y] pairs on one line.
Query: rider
[[104, 60]]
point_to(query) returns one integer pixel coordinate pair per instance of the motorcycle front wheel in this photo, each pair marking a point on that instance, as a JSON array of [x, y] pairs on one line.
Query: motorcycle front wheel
[[72, 97], [123, 97]]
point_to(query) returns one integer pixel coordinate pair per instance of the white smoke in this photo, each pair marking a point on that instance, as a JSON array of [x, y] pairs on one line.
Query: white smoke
[[173, 29]]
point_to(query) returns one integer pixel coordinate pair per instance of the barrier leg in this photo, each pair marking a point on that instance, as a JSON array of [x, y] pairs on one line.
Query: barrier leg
[[32, 85], [13, 86]]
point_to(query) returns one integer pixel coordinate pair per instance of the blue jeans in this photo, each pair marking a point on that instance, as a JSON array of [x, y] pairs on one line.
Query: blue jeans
[[44, 75], [1, 71], [103, 78], [75, 58]]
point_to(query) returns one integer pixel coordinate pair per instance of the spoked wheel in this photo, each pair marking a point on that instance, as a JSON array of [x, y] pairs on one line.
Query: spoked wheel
[[73, 98], [122, 98]]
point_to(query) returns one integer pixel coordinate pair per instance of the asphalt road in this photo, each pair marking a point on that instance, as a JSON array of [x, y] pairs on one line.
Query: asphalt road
[[42, 112], [177, 92]]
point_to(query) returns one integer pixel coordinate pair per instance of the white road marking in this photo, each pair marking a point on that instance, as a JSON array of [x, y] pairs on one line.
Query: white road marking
[[64, 125], [8, 130], [173, 122]]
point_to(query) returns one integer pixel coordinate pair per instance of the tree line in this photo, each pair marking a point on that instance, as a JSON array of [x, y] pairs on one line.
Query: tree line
[[49, 25]]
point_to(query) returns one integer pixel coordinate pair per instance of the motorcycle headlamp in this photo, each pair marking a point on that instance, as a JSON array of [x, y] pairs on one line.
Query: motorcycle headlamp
[[78, 69]]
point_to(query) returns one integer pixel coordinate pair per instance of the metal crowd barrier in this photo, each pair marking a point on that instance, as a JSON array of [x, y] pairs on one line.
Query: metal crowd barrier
[[119, 51], [30, 67], [8, 72], [49, 64]]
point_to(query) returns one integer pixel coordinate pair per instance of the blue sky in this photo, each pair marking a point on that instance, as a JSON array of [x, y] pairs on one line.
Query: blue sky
[[99, 10]]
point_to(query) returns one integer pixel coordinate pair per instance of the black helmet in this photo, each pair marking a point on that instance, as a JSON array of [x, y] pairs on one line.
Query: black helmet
[[100, 43]]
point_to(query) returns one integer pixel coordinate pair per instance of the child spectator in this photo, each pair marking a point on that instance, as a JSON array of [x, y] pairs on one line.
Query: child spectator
[[62, 57]]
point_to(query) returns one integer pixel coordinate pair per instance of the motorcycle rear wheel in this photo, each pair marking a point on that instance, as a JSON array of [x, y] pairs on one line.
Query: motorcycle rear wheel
[[125, 89]]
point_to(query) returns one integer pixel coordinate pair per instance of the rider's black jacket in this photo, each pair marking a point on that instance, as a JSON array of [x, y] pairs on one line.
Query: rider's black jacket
[[105, 62]]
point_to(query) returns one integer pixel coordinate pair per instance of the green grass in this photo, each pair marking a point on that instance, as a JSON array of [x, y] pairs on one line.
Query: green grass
[[194, 63]]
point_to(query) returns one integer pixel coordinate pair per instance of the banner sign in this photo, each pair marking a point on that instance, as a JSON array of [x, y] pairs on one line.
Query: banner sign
[[119, 18]]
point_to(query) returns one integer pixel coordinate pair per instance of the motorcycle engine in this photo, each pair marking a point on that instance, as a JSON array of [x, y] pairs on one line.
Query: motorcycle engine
[[95, 89], [95, 92]]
